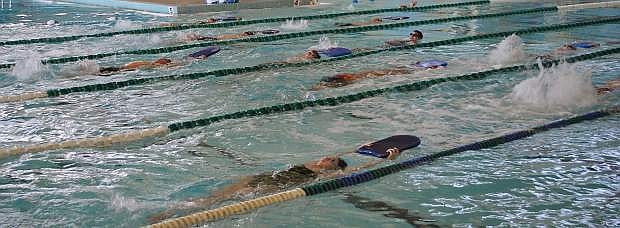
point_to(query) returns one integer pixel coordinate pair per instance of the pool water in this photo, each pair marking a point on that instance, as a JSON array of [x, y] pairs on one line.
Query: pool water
[[564, 177]]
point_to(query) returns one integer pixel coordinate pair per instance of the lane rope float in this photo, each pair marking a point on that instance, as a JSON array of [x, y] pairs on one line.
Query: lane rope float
[[269, 38], [236, 23], [369, 175], [268, 66], [281, 108]]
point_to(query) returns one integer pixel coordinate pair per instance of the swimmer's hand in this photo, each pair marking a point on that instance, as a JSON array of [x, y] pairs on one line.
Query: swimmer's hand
[[393, 153]]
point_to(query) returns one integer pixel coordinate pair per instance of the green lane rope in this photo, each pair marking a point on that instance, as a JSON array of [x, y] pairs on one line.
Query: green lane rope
[[369, 175], [268, 66], [331, 101], [269, 38], [235, 23]]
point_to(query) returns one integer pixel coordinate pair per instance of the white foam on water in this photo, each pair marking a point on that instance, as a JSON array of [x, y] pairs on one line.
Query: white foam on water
[[30, 68], [63, 51], [295, 25], [122, 25], [83, 67], [559, 88], [324, 43], [51, 22], [509, 51], [120, 203]]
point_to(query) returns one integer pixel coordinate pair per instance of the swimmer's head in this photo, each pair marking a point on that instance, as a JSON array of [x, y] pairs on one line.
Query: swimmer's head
[[415, 36], [249, 33], [567, 47], [162, 61], [331, 163], [211, 20], [312, 54], [376, 20]]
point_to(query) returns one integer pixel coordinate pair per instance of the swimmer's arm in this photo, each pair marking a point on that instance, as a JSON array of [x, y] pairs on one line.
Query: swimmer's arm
[[348, 171], [366, 165], [171, 65], [203, 203], [361, 49]]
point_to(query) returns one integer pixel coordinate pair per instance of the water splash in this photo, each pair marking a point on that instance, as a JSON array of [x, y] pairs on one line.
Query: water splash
[[324, 43], [121, 25], [51, 22], [84, 67], [30, 68], [509, 51], [120, 203], [560, 87], [295, 25]]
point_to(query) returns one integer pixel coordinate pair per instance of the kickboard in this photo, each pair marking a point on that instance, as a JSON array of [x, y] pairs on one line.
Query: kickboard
[[209, 51], [396, 18], [335, 52], [431, 64], [584, 44], [229, 18], [270, 31], [379, 148]]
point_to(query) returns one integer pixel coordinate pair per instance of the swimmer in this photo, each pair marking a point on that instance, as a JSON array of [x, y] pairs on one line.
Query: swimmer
[[566, 49], [135, 65], [608, 87], [414, 37], [413, 3], [344, 79], [214, 20], [575, 45], [193, 36], [325, 168], [373, 21], [306, 56]]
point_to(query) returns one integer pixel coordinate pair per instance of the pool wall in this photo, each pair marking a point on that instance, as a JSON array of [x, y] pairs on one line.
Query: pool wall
[[175, 7]]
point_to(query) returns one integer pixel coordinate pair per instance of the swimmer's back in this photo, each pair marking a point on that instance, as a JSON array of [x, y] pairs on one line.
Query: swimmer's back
[[298, 174], [137, 64]]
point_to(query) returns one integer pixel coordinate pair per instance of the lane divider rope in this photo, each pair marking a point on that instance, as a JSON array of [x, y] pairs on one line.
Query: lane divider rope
[[281, 108], [269, 38], [590, 5], [236, 23], [268, 66], [369, 175]]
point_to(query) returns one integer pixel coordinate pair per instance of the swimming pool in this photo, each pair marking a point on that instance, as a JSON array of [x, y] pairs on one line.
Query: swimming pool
[[564, 177]]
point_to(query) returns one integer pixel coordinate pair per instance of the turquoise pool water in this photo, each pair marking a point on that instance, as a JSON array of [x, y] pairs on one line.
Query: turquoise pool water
[[564, 177]]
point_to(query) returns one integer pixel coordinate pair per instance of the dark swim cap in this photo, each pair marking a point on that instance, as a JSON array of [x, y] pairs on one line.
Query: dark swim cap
[[418, 34], [342, 164]]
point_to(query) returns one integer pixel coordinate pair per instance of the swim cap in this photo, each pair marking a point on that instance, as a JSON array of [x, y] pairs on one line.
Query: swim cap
[[417, 33], [342, 164]]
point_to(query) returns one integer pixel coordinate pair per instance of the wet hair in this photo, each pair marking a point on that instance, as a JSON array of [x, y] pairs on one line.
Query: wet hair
[[315, 54], [342, 164], [417, 33], [249, 33], [569, 46]]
